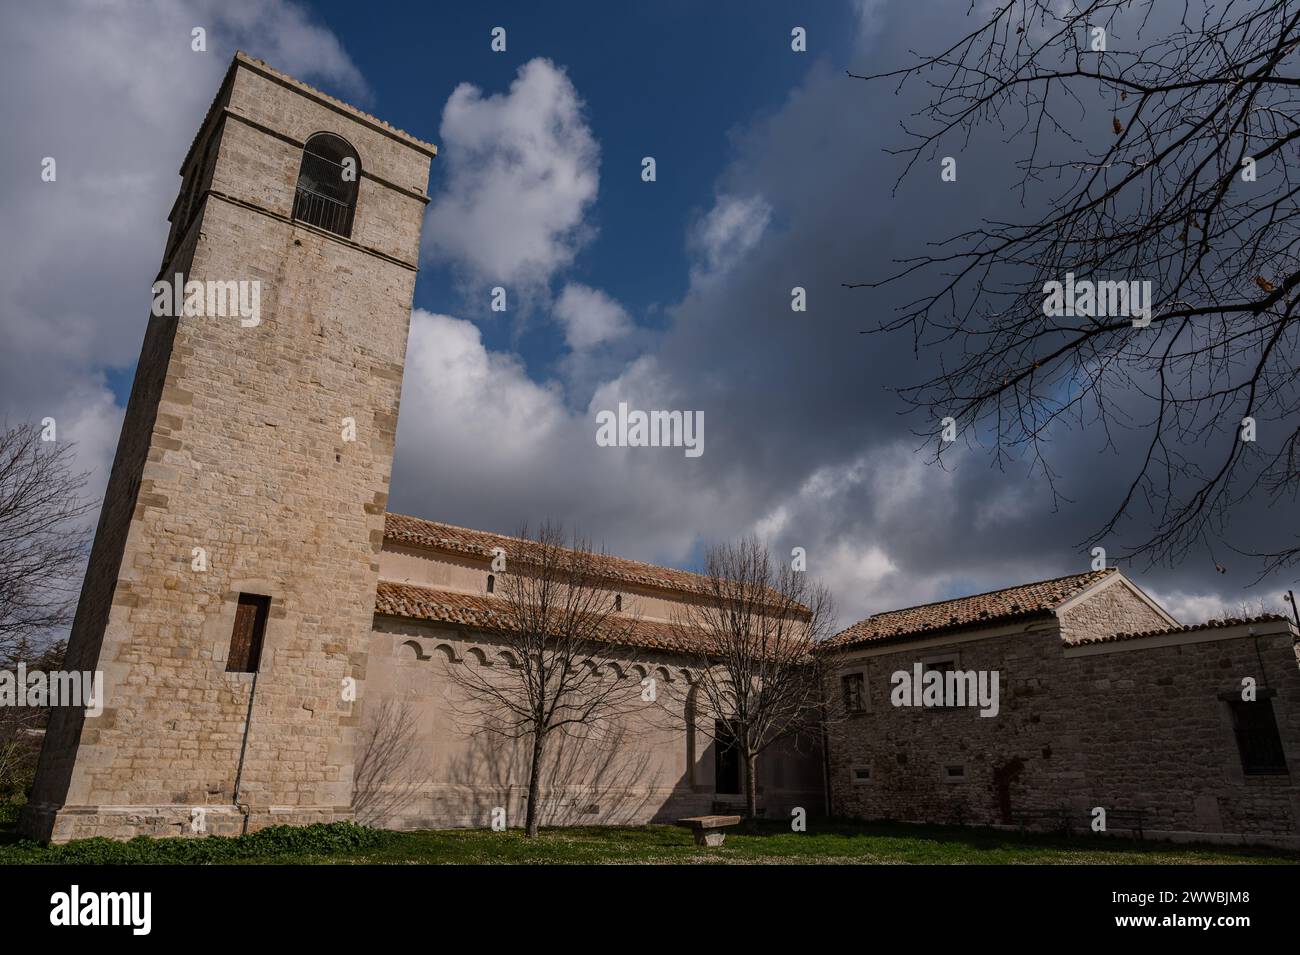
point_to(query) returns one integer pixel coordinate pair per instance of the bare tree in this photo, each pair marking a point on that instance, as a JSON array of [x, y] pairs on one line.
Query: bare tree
[[760, 628], [21, 727], [1167, 130], [1246, 609], [387, 776], [42, 548], [558, 616], [42, 536]]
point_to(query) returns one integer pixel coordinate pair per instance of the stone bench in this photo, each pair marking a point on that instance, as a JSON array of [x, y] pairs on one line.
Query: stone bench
[[709, 830]]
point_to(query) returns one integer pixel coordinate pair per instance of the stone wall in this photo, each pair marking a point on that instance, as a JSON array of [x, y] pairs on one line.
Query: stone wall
[[462, 573], [647, 764], [1127, 725], [1115, 607]]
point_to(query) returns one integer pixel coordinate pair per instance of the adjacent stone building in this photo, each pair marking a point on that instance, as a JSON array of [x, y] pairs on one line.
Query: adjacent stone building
[[1105, 701]]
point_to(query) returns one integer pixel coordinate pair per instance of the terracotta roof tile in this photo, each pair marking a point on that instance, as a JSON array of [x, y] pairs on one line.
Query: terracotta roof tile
[[998, 606], [462, 540], [482, 612]]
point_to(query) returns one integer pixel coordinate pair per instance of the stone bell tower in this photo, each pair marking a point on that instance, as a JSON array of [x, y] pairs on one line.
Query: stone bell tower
[[230, 592]]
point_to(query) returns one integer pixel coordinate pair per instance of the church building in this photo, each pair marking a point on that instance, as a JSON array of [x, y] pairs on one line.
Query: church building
[[278, 648]]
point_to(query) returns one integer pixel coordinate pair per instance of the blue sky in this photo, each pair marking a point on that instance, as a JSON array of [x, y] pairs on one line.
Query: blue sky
[[672, 80]]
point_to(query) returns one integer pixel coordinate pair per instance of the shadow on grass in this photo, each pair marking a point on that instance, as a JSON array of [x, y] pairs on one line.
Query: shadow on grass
[[983, 838], [9, 824]]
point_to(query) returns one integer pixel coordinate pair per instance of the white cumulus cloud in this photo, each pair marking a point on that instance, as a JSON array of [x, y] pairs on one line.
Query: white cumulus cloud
[[728, 231], [590, 317], [480, 443], [520, 170]]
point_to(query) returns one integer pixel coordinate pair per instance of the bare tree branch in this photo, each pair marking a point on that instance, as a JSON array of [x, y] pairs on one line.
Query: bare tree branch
[[42, 538], [759, 627], [387, 775], [560, 618], [1182, 132], [22, 727]]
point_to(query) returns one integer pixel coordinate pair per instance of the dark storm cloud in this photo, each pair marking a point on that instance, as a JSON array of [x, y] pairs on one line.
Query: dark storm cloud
[[815, 394]]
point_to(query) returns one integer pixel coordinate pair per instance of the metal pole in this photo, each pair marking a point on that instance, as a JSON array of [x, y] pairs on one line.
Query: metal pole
[[243, 747]]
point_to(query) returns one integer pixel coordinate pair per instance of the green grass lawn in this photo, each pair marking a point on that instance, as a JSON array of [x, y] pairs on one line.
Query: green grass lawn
[[825, 842]]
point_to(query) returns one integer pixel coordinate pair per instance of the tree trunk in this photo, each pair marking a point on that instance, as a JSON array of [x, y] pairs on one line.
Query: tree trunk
[[534, 786], [751, 789]]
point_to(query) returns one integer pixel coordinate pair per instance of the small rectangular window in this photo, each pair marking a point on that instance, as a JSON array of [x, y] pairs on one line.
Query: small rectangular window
[[854, 689], [954, 772], [1258, 741], [861, 774], [246, 639]]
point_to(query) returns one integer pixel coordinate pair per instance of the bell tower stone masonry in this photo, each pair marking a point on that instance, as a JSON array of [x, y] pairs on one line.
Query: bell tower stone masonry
[[231, 586]]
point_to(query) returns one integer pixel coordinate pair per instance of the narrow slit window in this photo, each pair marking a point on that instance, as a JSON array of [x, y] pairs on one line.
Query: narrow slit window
[[250, 629], [492, 583], [854, 690]]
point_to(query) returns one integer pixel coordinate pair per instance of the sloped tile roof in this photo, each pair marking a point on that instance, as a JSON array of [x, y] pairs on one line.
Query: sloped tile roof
[[996, 607], [462, 540], [483, 612], [1080, 641]]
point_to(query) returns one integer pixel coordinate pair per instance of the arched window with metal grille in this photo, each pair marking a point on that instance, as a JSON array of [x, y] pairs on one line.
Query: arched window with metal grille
[[327, 184]]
